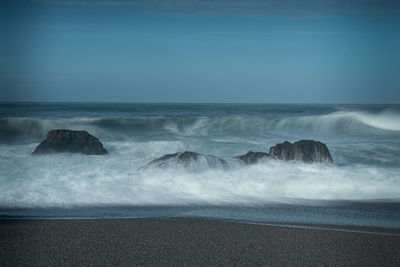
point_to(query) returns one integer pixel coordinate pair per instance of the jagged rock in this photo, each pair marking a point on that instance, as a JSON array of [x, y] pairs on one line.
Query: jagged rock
[[187, 160], [71, 141], [304, 150], [255, 157]]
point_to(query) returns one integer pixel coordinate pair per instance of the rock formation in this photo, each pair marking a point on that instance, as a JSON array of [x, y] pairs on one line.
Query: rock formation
[[71, 141], [308, 151], [255, 157], [187, 160]]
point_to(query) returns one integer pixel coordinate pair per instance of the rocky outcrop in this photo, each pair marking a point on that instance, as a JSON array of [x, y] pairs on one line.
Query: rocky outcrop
[[308, 151], [255, 157], [71, 141], [188, 161]]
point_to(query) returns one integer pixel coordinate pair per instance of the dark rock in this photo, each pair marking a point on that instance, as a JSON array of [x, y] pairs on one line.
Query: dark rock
[[255, 157], [62, 140], [187, 160], [304, 150]]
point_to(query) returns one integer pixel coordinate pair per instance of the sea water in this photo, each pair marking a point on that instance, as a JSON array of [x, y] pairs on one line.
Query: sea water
[[362, 187]]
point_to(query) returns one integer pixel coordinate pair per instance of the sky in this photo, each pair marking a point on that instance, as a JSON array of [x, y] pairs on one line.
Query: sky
[[219, 51]]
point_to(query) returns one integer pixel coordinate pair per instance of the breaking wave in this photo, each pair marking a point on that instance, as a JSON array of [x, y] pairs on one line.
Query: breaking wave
[[111, 129]]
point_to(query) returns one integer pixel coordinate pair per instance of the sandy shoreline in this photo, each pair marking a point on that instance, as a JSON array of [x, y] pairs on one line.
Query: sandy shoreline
[[186, 241]]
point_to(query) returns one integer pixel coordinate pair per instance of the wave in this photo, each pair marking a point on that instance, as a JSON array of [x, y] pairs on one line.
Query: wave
[[387, 119], [64, 180], [340, 122], [69, 180]]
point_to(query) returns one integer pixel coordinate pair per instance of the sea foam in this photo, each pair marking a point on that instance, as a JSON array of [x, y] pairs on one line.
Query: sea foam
[[65, 180]]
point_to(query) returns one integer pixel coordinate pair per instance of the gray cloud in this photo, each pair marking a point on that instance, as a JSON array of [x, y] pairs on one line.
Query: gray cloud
[[246, 8]]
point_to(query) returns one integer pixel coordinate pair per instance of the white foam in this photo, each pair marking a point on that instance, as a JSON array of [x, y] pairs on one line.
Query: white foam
[[65, 180], [387, 119]]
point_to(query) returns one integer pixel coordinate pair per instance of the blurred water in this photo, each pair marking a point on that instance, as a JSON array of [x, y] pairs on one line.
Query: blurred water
[[364, 141]]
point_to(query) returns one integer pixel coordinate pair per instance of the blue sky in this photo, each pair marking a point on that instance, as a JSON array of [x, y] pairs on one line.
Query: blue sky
[[200, 51]]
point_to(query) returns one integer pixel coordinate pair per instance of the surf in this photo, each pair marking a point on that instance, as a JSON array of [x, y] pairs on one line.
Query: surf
[[384, 122]]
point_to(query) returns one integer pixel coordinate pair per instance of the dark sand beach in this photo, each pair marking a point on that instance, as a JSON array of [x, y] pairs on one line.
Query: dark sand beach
[[185, 241]]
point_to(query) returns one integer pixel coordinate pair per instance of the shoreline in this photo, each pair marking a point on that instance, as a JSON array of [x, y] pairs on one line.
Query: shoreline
[[374, 230], [191, 241]]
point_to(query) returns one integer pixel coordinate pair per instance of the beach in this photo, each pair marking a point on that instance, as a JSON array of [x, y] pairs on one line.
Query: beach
[[190, 242]]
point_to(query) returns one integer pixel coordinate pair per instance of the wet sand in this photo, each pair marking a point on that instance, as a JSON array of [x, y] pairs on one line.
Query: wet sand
[[185, 241]]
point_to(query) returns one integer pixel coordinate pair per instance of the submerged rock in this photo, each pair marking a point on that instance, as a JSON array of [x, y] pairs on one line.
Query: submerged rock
[[255, 157], [71, 141], [187, 160], [308, 151]]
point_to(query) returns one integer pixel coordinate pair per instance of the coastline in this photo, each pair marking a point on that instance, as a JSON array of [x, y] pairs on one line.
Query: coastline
[[191, 241]]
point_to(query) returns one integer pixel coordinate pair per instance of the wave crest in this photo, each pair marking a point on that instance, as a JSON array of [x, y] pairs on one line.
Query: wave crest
[[338, 122]]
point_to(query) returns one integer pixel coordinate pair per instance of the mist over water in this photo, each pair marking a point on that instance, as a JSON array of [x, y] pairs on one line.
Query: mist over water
[[364, 142]]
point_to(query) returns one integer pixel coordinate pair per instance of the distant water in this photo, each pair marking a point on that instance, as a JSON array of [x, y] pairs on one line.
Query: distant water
[[364, 141]]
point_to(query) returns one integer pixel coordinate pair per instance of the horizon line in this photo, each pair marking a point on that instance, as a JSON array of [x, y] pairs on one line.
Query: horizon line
[[237, 103]]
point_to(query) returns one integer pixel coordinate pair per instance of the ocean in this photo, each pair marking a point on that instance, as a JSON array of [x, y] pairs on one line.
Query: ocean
[[361, 188]]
